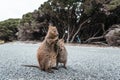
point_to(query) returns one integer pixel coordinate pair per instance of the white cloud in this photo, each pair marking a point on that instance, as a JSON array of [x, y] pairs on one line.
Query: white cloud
[[16, 8]]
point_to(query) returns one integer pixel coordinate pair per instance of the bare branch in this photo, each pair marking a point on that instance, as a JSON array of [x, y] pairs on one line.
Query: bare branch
[[93, 38], [79, 29]]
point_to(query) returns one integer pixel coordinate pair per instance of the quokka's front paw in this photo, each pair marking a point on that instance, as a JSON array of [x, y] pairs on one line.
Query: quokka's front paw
[[56, 39]]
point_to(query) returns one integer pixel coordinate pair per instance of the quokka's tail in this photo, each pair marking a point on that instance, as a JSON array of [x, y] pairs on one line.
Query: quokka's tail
[[30, 66]]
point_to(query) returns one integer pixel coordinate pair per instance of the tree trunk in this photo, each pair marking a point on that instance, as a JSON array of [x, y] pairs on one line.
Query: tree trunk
[[79, 29], [68, 34]]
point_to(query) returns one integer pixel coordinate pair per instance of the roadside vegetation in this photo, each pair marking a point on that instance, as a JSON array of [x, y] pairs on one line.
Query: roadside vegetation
[[78, 21]]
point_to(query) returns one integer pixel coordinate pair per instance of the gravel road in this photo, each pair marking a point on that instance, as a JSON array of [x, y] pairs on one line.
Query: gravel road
[[84, 63]]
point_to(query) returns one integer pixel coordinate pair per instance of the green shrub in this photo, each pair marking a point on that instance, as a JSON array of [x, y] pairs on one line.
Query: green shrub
[[8, 29]]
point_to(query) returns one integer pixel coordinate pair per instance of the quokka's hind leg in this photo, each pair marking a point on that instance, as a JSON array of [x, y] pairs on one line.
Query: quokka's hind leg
[[64, 65], [41, 66], [48, 66], [49, 70], [56, 66]]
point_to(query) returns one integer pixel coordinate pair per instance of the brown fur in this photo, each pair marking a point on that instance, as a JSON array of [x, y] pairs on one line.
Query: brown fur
[[46, 54], [62, 53]]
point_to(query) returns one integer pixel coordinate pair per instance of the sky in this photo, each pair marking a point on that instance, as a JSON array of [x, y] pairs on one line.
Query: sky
[[16, 8]]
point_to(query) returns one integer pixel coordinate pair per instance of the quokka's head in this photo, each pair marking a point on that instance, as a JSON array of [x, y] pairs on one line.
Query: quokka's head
[[53, 31]]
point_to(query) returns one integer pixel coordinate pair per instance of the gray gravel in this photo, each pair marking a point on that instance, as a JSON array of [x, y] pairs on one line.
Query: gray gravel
[[84, 63]]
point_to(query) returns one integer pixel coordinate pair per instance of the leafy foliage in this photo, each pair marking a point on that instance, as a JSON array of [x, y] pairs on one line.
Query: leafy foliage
[[8, 29], [74, 19], [61, 13]]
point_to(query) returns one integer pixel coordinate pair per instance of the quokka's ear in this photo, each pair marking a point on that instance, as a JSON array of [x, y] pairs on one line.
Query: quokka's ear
[[50, 26]]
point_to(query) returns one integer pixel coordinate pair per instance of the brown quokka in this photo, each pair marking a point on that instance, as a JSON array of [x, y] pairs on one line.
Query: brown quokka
[[61, 53], [46, 54]]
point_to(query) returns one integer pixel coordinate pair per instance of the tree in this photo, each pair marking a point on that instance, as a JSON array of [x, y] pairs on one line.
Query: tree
[[102, 18], [85, 20], [64, 14], [8, 29]]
